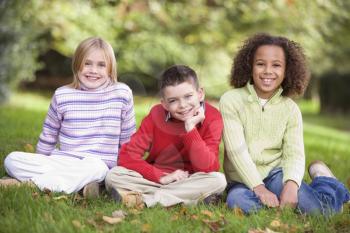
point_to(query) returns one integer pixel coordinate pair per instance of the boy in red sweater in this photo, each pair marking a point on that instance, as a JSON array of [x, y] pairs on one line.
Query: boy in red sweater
[[182, 137]]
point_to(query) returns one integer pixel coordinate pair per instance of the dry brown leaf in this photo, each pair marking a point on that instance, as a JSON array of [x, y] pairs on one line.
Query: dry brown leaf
[[77, 224], [134, 211], [214, 226], [194, 217], [238, 212], [112, 220], [29, 148], [207, 213], [268, 230], [275, 223], [119, 214], [146, 228], [255, 231], [135, 221], [65, 197], [348, 182], [174, 217], [35, 195]]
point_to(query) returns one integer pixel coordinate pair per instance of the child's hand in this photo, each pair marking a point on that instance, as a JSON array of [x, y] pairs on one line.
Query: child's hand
[[289, 194], [197, 117], [174, 176], [266, 197]]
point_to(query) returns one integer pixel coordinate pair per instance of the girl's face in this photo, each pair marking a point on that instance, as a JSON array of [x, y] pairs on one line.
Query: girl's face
[[94, 71], [269, 67]]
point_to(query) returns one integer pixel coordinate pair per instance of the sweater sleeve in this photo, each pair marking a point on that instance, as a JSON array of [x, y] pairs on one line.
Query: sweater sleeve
[[131, 153], [128, 125], [49, 135], [235, 144], [293, 158], [203, 150]]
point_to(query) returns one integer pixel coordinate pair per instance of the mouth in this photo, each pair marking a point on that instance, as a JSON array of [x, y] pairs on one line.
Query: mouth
[[92, 78], [185, 113], [267, 81]]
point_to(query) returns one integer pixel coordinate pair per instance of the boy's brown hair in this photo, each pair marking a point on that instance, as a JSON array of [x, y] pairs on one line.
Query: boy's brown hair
[[177, 74]]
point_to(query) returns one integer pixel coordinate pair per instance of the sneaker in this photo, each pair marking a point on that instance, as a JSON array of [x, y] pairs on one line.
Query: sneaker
[[319, 168], [9, 181], [91, 190], [130, 199], [213, 199]]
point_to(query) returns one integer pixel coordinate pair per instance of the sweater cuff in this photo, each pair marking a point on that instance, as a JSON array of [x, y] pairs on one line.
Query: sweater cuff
[[294, 178]]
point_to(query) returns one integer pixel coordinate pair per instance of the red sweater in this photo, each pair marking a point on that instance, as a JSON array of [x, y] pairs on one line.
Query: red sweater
[[170, 147]]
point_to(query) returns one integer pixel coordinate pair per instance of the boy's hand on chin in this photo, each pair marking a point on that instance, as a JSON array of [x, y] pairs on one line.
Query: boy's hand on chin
[[174, 176], [197, 117]]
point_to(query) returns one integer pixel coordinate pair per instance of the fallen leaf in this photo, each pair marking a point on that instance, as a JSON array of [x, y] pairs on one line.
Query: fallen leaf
[[268, 230], [65, 197], [77, 224], [348, 182], [134, 211], [135, 221], [214, 226], [195, 217], [92, 222], [174, 217], [119, 214], [275, 223], [112, 220], [146, 228], [207, 213], [35, 195], [238, 212], [29, 148]]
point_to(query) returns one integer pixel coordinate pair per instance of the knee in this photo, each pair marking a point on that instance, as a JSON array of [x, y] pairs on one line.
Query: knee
[[10, 160], [219, 180], [112, 176], [235, 197]]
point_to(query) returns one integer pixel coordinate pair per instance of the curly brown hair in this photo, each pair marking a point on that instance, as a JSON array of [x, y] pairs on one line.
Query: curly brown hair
[[296, 73]]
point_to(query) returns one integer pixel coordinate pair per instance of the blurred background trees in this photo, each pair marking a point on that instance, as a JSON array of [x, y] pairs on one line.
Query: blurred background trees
[[38, 37]]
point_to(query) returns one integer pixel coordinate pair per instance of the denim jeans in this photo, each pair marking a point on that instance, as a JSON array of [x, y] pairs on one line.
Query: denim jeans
[[324, 195]]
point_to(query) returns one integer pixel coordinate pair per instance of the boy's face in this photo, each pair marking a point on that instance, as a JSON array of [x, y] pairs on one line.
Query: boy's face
[[182, 100], [94, 71], [268, 70]]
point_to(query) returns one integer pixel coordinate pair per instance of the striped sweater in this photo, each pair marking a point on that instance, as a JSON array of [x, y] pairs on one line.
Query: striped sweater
[[82, 123], [258, 139]]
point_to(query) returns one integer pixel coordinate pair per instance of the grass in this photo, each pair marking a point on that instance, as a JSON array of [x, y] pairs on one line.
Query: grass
[[26, 209]]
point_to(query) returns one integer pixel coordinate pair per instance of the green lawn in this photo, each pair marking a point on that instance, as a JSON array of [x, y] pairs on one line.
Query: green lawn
[[26, 209]]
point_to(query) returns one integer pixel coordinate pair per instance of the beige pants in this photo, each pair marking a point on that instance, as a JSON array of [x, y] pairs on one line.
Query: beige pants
[[188, 191]]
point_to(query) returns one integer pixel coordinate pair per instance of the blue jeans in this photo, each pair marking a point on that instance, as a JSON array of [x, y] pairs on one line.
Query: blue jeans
[[324, 195]]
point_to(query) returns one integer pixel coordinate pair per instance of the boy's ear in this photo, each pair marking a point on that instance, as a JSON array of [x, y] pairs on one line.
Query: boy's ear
[[201, 94], [162, 101]]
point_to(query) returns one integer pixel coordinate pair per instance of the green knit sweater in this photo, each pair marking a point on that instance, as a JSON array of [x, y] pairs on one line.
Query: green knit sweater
[[259, 138]]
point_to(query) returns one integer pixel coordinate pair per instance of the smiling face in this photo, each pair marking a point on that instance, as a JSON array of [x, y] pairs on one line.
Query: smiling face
[[94, 70], [182, 100], [269, 67]]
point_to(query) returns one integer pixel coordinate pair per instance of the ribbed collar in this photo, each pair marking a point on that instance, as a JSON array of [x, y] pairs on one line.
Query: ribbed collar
[[85, 88], [253, 96]]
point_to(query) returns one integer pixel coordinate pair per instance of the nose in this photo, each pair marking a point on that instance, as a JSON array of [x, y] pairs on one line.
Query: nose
[[268, 69], [93, 69], [182, 104]]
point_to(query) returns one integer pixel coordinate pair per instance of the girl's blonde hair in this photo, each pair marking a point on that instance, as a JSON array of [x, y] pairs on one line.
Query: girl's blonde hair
[[84, 48]]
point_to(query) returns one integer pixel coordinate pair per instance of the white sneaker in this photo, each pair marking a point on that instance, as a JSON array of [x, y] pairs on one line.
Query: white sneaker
[[319, 168]]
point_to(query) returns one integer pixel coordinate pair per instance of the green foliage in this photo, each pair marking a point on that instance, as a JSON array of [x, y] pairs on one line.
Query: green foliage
[[150, 35]]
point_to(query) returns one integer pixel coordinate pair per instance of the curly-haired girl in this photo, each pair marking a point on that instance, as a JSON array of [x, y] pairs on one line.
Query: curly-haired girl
[[264, 151]]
